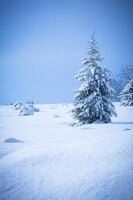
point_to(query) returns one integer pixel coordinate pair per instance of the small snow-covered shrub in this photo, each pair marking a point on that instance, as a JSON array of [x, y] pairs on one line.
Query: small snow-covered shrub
[[127, 94], [26, 110], [30, 102], [17, 105], [31, 105]]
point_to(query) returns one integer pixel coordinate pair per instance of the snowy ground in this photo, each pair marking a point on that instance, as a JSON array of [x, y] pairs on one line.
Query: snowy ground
[[42, 157]]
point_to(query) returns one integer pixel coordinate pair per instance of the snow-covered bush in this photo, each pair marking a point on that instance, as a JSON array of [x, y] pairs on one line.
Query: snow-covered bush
[[17, 105], [92, 101], [127, 94], [31, 104], [26, 109]]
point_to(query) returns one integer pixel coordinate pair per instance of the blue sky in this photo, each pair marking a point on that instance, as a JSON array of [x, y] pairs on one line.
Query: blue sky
[[42, 44]]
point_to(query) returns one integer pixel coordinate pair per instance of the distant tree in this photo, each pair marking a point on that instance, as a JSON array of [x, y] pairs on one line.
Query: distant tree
[[92, 100], [127, 73], [127, 94], [120, 80], [117, 85]]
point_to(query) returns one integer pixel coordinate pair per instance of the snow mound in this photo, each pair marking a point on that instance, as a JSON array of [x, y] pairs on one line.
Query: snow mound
[[127, 129], [56, 116], [36, 109], [61, 162], [12, 140]]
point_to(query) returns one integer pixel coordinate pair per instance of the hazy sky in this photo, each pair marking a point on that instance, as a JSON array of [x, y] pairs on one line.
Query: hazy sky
[[42, 44]]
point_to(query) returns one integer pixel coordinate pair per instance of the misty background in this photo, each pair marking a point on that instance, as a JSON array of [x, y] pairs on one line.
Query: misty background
[[42, 43]]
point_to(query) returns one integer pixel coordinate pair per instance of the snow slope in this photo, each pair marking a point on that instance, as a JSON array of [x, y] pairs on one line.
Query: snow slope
[[43, 157]]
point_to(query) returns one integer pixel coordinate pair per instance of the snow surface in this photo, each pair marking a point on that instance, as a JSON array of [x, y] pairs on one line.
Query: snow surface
[[56, 161]]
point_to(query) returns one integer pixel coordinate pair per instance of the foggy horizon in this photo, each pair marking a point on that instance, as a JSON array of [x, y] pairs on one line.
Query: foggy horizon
[[43, 43]]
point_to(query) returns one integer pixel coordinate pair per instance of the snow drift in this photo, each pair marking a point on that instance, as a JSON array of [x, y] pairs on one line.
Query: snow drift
[[58, 161]]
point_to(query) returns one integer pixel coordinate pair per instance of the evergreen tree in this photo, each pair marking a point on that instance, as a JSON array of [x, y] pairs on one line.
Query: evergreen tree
[[127, 94], [92, 100], [117, 85]]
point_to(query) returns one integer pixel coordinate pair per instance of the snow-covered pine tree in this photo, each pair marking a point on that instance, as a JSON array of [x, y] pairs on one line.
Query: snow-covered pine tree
[[127, 94], [92, 100]]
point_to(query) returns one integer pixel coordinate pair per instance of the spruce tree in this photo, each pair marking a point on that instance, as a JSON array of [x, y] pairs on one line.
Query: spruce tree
[[127, 94], [92, 100]]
